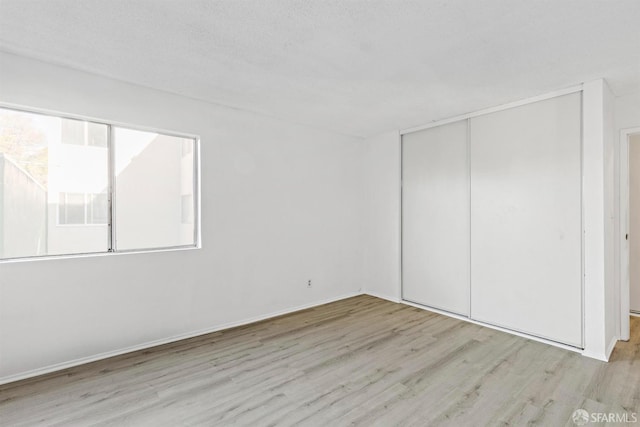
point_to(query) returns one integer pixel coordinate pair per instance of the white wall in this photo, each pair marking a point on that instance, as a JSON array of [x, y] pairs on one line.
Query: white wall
[[627, 112], [611, 252], [381, 219], [280, 205]]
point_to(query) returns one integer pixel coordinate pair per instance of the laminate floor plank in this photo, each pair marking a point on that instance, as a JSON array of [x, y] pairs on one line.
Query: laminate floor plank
[[359, 361]]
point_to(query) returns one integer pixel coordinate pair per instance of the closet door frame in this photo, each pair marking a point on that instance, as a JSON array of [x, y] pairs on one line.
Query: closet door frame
[[467, 117], [625, 286]]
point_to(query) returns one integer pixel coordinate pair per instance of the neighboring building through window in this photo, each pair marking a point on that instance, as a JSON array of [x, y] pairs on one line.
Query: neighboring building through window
[[71, 208], [69, 186], [82, 209], [97, 208], [77, 132], [151, 175]]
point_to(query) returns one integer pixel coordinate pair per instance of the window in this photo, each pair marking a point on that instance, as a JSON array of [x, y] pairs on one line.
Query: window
[[70, 186]]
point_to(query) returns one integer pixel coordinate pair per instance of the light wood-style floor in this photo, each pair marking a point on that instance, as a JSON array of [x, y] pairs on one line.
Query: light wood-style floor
[[360, 361]]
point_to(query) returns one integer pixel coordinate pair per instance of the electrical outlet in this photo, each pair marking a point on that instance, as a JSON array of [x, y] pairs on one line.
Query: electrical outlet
[[309, 283]]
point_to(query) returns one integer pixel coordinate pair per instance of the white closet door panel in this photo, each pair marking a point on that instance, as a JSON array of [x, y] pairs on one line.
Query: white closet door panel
[[526, 247], [435, 218]]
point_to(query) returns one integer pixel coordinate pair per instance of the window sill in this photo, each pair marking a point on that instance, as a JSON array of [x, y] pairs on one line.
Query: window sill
[[98, 254]]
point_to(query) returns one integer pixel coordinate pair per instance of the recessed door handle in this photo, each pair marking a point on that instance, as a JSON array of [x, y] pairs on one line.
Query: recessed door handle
[[626, 236]]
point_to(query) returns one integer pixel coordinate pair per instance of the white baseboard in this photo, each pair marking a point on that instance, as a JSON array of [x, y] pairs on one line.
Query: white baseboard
[[611, 346], [149, 344], [598, 356], [607, 352], [382, 296], [497, 328]]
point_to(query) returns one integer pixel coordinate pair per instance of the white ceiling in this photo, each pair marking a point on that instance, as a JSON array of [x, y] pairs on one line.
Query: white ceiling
[[355, 67]]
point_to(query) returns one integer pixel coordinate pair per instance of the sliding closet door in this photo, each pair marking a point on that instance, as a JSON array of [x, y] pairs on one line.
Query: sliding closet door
[[435, 218], [526, 219]]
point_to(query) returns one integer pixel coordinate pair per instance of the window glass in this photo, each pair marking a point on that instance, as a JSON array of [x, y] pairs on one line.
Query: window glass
[[187, 209], [187, 147], [72, 131], [98, 209], [152, 176], [71, 208], [46, 173], [96, 136]]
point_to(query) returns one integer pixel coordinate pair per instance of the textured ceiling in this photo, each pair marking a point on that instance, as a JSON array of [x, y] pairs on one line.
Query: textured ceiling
[[355, 67]]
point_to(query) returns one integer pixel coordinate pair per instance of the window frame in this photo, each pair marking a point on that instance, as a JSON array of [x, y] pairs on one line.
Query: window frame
[[111, 179]]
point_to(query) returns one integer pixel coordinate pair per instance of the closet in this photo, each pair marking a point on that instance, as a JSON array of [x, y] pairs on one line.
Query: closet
[[492, 218]]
